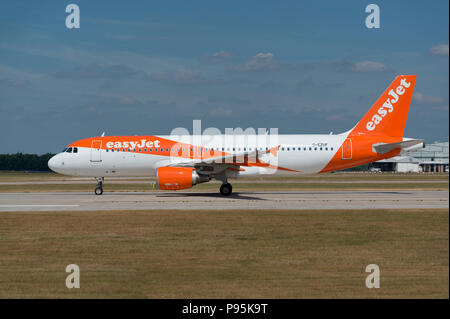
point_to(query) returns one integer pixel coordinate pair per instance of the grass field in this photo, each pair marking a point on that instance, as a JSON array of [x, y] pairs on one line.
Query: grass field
[[225, 254]]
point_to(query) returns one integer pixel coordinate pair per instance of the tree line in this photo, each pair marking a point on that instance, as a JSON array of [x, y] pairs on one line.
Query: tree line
[[24, 162]]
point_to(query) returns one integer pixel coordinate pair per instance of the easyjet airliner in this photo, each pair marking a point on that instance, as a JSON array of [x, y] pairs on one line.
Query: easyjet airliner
[[182, 162]]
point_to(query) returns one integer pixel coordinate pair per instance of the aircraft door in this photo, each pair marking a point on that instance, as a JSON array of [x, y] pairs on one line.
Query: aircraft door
[[347, 149], [96, 151]]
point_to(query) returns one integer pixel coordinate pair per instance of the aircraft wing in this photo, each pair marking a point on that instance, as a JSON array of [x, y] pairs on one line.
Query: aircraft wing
[[236, 159], [406, 145]]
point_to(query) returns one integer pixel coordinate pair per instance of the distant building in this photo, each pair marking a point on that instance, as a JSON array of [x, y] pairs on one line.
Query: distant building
[[433, 158], [401, 164]]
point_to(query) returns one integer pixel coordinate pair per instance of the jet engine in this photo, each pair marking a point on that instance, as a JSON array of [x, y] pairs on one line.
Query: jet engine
[[175, 178]]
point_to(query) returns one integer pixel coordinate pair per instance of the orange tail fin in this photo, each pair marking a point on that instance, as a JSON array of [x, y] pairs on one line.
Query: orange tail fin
[[387, 117]]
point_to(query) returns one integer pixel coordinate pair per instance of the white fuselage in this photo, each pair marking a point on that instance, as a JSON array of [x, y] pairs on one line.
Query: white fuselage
[[306, 154]]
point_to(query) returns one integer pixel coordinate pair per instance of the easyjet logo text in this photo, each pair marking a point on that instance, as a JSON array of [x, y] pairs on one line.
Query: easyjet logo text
[[133, 144], [389, 105]]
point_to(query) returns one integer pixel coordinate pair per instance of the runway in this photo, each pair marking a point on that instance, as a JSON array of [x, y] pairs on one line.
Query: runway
[[256, 200]]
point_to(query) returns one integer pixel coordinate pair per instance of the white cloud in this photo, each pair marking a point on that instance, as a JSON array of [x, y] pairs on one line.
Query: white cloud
[[216, 57], [370, 66], [440, 49], [260, 62], [341, 65], [427, 99]]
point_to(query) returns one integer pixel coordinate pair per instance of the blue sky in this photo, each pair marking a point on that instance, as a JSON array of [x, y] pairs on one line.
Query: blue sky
[[144, 67]]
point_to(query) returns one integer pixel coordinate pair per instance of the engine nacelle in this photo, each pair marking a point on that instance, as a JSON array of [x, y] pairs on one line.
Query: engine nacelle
[[175, 178]]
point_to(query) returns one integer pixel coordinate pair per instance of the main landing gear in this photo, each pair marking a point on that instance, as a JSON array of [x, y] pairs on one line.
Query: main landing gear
[[226, 189], [99, 188]]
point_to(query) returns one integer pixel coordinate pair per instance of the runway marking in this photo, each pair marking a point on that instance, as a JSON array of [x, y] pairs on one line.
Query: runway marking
[[296, 200]]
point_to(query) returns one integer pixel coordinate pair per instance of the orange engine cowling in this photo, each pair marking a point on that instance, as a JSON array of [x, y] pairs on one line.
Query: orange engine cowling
[[175, 178]]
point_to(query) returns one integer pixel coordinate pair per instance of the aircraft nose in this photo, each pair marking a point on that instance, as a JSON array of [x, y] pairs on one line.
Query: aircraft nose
[[55, 163]]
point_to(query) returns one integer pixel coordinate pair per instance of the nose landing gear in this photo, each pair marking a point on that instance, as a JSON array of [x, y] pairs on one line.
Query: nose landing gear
[[99, 188]]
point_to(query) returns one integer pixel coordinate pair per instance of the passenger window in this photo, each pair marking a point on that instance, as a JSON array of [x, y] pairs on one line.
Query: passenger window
[[326, 148], [315, 148], [331, 148], [310, 148], [288, 149], [112, 151], [320, 148], [107, 150], [282, 148]]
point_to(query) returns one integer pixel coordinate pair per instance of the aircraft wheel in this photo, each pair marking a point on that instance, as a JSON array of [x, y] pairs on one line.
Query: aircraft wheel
[[98, 191], [226, 189]]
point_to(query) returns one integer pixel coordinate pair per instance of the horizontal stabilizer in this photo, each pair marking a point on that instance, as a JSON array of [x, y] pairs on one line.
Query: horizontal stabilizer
[[406, 146]]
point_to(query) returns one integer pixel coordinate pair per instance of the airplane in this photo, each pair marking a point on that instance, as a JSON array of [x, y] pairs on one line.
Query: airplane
[[184, 161]]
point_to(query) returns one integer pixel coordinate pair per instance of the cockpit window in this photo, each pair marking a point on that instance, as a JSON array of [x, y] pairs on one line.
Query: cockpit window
[[65, 149], [69, 150], [75, 149]]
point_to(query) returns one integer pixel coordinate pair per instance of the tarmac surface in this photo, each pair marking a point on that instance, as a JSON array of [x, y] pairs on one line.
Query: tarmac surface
[[251, 200], [133, 181]]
